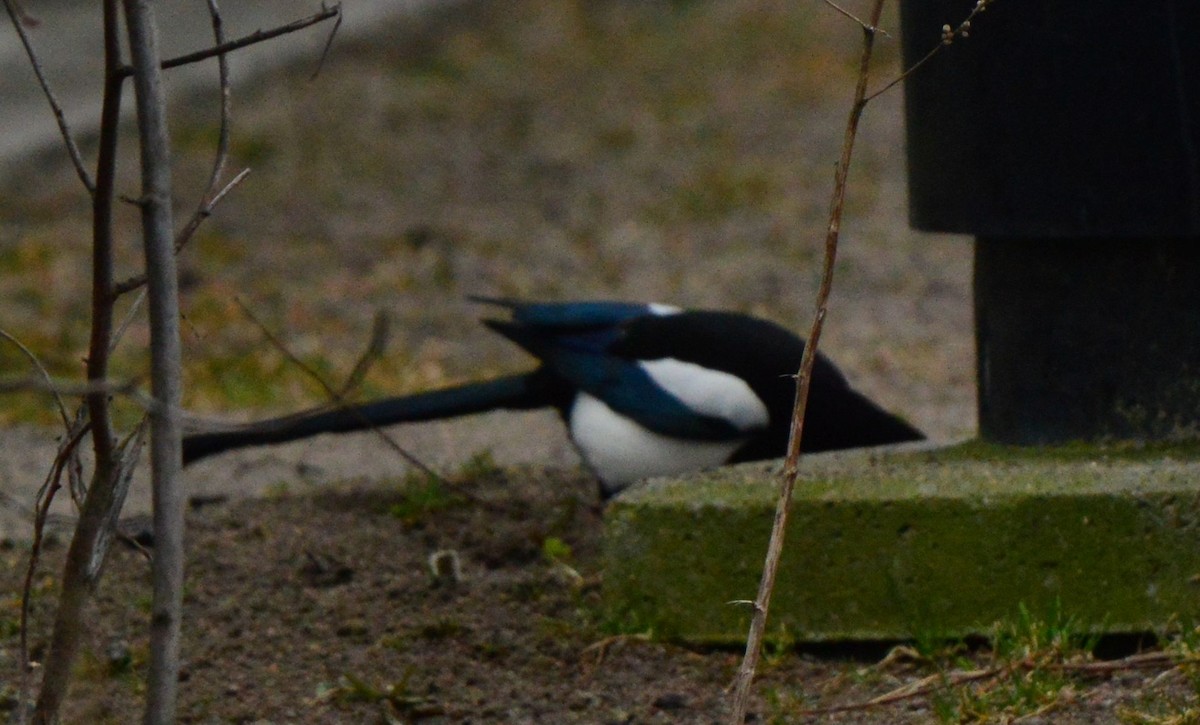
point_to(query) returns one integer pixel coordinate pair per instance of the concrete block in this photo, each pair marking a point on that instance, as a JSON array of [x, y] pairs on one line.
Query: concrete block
[[897, 545]]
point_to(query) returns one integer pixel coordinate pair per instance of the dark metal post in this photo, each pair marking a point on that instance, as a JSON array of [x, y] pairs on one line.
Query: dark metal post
[[1065, 135]]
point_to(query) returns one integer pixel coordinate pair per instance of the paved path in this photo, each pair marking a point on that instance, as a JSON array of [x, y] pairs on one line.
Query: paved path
[[69, 45]]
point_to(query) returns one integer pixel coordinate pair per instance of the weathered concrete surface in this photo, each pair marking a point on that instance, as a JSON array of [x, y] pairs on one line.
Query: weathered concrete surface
[[898, 545]]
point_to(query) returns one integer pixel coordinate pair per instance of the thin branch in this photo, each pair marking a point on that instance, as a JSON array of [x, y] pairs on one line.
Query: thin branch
[[222, 152], [334, 397], [130, 316], [102, 241], [106, 388], [257, 36], [128, 389], [949, 35], [205, 211], [75, 470], [66, 451], [931, 683], [855, 18], [917, 688], [17, 16], [375, 350], [220, 50], [758, 620], [43, 372], [213, 190], [337, 24], [206, 208], [1132, 662]]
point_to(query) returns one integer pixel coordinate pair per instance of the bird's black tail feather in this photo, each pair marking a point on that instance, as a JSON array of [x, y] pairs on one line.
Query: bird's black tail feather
[[515, 392]]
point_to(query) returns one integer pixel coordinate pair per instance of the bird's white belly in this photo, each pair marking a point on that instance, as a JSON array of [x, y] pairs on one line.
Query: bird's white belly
[[620, 452]]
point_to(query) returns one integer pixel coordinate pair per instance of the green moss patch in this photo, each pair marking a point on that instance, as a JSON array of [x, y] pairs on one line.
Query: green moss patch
[[900, 545]]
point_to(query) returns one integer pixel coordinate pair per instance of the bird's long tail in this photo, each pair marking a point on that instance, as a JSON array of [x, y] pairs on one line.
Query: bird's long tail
[[514, 392]]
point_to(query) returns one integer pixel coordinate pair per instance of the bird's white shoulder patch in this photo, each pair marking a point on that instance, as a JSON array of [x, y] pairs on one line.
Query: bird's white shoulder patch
[[661, 310], [709, 392]]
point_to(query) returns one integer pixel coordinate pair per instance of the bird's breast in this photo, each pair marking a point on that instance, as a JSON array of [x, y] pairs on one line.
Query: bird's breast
[[620, 451]]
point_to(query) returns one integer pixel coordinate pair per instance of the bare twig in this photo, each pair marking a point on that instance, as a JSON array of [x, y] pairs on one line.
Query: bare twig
[[215, 193], [942, 680], [758, 619], [1132, 662], [66, 451], [84, 564], [599, 649], [257, 36], [107, 388], [949, 35], [222, 152], [206, 208], [337, 24], [375, 350], [74, 467], [205, 211], [130, 316], [19, 21], [917, 688], [99, 347], [854, 17], [334, 397], [42, 372]]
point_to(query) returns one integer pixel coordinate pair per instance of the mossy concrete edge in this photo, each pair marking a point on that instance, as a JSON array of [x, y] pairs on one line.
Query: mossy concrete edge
[[899, 545]]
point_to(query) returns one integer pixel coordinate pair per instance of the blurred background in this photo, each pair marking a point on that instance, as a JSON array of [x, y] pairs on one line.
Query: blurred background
[[678, 152]]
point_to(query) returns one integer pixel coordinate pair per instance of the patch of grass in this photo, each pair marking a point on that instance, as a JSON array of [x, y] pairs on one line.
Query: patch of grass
[[1186, 647], [1025, 676], [1156, 709], [481, 464], [778, 646], [618, 622], [120, 662], [1169, 714], [351, 689], [421, 496], [10, 616], [555, 550], [783, 704], [930, 645], [978, 450]]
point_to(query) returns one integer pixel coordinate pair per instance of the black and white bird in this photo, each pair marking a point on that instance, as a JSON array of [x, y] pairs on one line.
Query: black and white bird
[[644, 390]]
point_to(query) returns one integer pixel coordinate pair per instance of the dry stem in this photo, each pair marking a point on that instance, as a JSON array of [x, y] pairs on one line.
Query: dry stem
[[336, 398], [758, 620]]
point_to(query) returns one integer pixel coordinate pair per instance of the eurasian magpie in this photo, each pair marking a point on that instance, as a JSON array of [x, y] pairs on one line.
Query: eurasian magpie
[[644, 389]]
